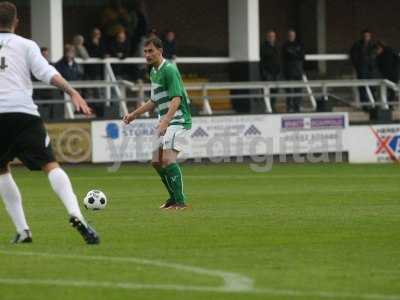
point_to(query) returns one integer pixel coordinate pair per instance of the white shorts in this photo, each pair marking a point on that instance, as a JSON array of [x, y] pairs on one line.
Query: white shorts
[[176, 137]]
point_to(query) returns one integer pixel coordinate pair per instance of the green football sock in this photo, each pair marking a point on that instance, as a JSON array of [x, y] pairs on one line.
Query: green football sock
[[174, 177], [163, 175]]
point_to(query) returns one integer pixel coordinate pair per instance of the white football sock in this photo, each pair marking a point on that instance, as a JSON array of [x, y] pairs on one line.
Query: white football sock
[[12, 200], [61, 185]]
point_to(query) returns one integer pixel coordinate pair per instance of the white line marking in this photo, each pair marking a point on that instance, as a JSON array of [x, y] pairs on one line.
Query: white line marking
[[233, 283], [114, 285], [184, 288]]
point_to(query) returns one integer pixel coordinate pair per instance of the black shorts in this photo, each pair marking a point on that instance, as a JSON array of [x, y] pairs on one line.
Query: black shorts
[[24, 136]]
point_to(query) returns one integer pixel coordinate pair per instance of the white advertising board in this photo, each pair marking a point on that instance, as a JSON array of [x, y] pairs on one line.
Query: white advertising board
[[373, 144], [225, 136]]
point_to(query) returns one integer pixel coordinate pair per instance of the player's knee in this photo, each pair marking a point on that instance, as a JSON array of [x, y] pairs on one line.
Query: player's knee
[[47, 168]]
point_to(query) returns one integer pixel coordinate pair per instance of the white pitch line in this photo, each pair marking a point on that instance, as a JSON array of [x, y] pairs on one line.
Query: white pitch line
[[189, 288], [113, 285], [233, 282]]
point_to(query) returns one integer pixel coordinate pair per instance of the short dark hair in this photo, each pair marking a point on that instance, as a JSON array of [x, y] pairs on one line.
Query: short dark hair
[[155, 41], [8, 12], [271, 30], [68, 47]]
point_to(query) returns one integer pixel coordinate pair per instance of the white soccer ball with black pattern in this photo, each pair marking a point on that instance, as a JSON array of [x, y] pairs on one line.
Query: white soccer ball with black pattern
[[95, 200]]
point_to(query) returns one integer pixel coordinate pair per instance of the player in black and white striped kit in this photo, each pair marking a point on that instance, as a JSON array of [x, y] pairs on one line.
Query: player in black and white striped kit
[[22, 132]]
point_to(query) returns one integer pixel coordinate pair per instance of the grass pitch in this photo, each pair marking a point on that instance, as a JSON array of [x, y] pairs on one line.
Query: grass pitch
[[297, 232]]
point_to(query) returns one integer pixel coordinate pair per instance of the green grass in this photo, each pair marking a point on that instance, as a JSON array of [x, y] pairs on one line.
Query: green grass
[[300, 231]]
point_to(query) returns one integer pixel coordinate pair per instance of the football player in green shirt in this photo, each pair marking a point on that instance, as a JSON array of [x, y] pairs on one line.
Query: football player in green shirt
[[170, 98]]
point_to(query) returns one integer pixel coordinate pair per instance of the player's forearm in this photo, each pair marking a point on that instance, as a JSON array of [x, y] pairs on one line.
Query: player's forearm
[[148, 106], [59, 82], [173, 107]]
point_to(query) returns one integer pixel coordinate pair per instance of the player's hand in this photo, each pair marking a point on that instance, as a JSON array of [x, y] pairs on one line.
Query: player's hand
[[162, 127], [80, 104], [128, 118]]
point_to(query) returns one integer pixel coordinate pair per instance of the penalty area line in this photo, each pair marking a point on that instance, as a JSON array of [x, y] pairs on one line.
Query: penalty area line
[[189, 288], [233, 282]]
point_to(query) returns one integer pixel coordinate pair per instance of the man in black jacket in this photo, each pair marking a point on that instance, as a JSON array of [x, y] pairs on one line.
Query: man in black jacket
[[120, 47], [362, 57], [67, 65], [270, 62], [293, 60], [97, 49], [169, 43], [70, 70], [387, 61]]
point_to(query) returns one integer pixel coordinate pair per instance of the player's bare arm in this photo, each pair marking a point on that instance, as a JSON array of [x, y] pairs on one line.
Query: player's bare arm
[[148, 106], [164, 122], [79, 103]]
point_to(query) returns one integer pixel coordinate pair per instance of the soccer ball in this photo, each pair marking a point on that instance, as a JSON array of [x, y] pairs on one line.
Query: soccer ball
[[95, 200]]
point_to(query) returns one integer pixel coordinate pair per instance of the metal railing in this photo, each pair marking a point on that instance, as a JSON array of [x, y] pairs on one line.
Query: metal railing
[[202, 60], [263, 90], [119, 88], [321, 89]]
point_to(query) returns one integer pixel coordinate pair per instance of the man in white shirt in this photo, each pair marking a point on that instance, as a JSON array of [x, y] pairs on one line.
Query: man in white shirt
[[22, 132]]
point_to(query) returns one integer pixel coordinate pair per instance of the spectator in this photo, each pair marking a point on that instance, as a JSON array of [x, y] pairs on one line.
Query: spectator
[[139, 35], [153, 33], [293, 60], [169, 44], [45, 53], [67, 66], [116, 18], [120, 46], [387, 61], [96, 49], [95, 46], [80, 50], [270, 62], [362, 57]]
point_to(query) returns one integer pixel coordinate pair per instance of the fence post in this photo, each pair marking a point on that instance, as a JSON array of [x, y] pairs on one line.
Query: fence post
[[325, 92], [384, 103], [267, 99], [123, 108], [107, 76], [370, 95], [206, 103], [68, 108], [310, 93], [356, 94]]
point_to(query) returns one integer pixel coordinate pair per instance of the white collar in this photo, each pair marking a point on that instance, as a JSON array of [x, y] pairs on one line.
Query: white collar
[[162, 63]]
